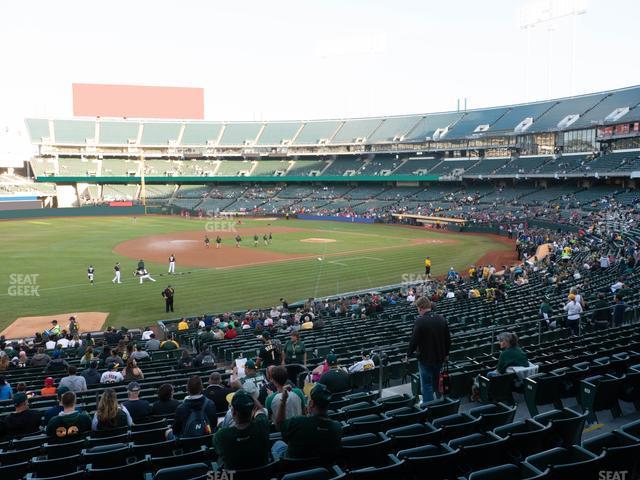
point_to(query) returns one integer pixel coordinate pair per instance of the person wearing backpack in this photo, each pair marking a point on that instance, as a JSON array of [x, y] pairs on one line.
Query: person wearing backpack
[[196, 415]]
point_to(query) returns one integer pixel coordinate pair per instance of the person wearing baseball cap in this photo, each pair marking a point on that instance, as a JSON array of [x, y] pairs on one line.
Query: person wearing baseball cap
[[22, 421], [246, 444], [270, 353], [49, 387], [139, 409], [313, 435], [336, 379]]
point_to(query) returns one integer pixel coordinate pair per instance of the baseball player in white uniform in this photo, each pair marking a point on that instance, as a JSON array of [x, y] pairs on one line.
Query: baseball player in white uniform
[[90, 272], [143, 275], [172, 263], [116, 278]]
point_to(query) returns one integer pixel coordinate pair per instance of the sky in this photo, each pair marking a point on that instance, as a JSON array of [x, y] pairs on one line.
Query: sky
[[307, 59]]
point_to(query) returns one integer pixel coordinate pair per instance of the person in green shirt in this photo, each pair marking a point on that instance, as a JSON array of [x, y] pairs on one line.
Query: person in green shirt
[[246, 444], [295, 351], [314, 435], [511, 355], [68, 425]]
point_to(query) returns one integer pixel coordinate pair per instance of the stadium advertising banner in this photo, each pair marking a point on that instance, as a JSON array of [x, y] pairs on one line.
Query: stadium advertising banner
[[137, 101]]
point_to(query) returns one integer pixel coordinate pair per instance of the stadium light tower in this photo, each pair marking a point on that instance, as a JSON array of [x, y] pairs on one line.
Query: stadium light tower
[[546, 13]]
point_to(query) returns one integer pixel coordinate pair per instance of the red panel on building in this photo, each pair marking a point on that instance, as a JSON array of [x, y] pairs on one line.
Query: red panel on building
[[137, 101]]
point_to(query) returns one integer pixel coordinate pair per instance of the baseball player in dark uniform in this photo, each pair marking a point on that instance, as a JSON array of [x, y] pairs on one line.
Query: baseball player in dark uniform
[[168, 294], [172, 263], [90, 272], [218, 241], [255, 240], [141, 265], [207, 242], [270, 238], [265, 239], [238, 240]]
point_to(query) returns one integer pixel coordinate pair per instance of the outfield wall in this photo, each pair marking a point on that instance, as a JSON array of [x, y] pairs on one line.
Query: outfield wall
[[71, 212], [335, 218]]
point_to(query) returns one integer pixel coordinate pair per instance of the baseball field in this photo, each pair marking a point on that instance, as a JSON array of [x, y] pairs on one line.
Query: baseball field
[[45, 261]]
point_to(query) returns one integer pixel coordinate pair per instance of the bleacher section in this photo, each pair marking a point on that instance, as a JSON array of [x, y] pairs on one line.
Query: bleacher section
[[119, 192], [523, 165], [344, 166], [413, 165], [304, 168], [486, 166]]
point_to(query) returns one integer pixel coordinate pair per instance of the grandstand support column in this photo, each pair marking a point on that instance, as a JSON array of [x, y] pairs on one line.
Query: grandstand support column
[[143, 190]]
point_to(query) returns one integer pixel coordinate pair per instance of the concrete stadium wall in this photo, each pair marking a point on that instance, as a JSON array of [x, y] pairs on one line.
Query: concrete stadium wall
[[71, 212]]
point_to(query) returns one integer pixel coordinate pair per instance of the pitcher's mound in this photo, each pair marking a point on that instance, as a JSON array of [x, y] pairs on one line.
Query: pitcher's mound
[[28, 326], [318, 240]]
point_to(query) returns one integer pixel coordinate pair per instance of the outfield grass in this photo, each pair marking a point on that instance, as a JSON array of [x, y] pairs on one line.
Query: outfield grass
[[58, 251]]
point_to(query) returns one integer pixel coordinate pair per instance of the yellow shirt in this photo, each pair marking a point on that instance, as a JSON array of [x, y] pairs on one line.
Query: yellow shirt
[[427, 262], [183, 326], [306, 326], [472, 272]]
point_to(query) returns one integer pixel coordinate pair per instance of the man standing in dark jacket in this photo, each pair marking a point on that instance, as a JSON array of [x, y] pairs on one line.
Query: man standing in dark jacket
[[431, 341], [195, 400]]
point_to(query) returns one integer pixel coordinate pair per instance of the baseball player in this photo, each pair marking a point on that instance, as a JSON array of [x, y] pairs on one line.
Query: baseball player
[[172, 263], [265, 239], [141, 265], [270, 238], [90, 272], [207, 242], [255, 240], [143, 275], [218, 241], [427, 266], [116, 278], [238, 240]]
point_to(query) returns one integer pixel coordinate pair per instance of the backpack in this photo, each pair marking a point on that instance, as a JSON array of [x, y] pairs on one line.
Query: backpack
[[197, 423]]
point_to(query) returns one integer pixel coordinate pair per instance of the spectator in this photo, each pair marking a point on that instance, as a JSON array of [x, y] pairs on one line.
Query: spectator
[[55, 410], [217, 393], [511, 354], [112, 376], [109, 414], [6, 392], [205, 359], [183, 325], [314, 435], [131, 371], [113, 358], [295, 404], [69, 425], [49, 387], [431, 341], [139, 354], [74, 382], [250, 433], [365, 364], [195, 403], [170, 344], [87, 358], [602, 313], [270, 353], [166, 404], [147, 334], [231, 333], [619, 309], [152, 344], [57, 363], [252, 380], [138, 409], [294, 351], [336, 379], [22, 421], [185, 360], [206, 336], [4, 362], [40, 359], [91, 375], [573, 309]]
